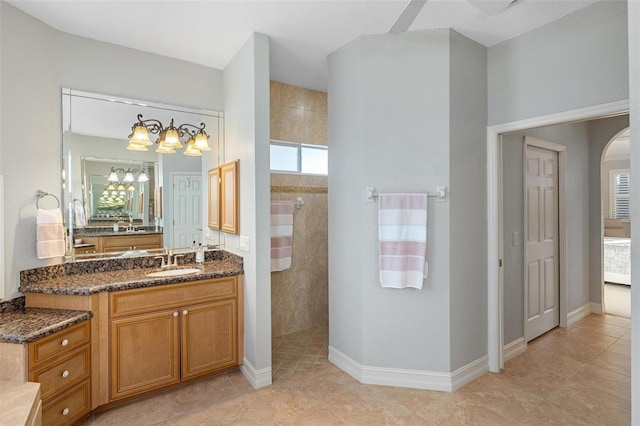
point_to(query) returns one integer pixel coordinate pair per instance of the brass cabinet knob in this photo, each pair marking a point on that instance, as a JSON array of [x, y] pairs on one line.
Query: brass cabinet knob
[[65, 411], [65, 374], [175, 314], [65, 342]]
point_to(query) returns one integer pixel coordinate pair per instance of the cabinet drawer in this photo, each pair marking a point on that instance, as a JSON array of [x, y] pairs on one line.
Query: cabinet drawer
[[69, 407], [137, 301], [47, 348], [148, 241], [66, 372]]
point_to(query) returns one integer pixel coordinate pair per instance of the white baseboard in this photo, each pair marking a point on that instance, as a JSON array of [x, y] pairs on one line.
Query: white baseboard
[[576, 315], [513, 349], [257, 378], [596, 308], [416, 379]]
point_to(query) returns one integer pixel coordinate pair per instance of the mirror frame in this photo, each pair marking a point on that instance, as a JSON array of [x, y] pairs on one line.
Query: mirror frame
[[208, 160]]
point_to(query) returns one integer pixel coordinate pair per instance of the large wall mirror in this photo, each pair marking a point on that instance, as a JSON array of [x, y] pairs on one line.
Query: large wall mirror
[[144, 189]]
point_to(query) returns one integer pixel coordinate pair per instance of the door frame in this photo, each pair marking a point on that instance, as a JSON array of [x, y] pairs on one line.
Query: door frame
[[495, 302], [561, 150]]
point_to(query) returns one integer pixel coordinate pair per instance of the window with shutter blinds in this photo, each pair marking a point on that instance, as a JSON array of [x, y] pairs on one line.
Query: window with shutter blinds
[[619, 194]]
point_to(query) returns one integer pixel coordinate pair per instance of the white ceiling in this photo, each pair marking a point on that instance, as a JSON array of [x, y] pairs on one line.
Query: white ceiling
[[302, 32]]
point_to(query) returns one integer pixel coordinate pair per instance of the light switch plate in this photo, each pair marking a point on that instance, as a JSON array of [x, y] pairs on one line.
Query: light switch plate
[[244, 243]]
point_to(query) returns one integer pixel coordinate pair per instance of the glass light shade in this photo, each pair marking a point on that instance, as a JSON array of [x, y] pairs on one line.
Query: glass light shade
[[105, 192], [114, 192], [190, 150], [172, 138], [123, 193], [201, 141], [120, 187], [111, 187], [136, 147], [102, 198], [113, 177], [163, 149], [143, 177], [131, 188], [140, 135], [128, 177]]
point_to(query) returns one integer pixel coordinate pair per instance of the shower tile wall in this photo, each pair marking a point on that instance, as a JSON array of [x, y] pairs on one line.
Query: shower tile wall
[[299, 295]]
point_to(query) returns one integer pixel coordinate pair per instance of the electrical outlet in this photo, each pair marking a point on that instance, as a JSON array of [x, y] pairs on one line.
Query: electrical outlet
[[244, 243]]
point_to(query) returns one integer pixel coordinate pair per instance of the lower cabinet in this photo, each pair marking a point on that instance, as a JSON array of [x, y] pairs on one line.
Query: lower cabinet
[[61, 363], [168, 344]]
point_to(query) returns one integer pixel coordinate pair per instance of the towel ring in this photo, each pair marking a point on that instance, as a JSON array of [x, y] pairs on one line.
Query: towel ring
[[42, 194]]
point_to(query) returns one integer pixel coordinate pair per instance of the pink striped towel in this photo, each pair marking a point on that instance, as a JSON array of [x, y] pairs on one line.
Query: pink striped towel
[[281, 235], [402, 236]]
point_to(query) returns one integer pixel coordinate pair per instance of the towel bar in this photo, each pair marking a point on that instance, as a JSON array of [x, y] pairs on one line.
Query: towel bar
[[371, 195], [41, 194]]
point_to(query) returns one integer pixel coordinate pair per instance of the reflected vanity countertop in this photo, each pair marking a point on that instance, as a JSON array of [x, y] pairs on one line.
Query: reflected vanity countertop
[[107, 231], [28, 324], [102, 279]]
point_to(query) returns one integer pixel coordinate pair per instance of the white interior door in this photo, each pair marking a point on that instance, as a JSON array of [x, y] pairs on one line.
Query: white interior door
[[187, 210], [542, 274]]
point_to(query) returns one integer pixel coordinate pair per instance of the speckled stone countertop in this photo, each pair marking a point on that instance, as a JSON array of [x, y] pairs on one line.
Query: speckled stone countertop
[[107, 231], [29, 324], [114, 275]]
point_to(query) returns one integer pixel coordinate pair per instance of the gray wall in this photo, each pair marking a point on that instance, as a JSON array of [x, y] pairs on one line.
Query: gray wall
[[468, 218], [246, 108], [584, 142], [36, 62], [392, 126], [634, 83], [600, 134], [578, 61]]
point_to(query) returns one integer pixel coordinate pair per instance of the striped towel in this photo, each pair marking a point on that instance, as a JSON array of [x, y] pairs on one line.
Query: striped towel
[[281, 235], [402, 235], [49, 233]]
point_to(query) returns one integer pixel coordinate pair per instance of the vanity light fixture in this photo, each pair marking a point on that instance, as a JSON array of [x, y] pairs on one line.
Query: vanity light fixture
[[128, 176], [168, 137]]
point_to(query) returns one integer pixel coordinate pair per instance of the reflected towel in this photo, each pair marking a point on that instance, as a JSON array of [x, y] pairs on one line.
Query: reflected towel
[[281, 235], [49, 233], [402, 236], [79, 216]]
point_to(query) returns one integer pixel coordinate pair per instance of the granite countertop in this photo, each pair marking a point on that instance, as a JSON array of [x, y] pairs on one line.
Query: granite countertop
[[109, 232], [29, 324], [127, 279]]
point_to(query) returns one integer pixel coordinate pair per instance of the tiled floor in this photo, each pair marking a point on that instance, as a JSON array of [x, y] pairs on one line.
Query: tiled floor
[[300, 351], [574, 376]]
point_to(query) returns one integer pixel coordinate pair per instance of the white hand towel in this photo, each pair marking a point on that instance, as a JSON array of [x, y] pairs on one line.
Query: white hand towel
[[49, 233], [79, 216], [402, 235]]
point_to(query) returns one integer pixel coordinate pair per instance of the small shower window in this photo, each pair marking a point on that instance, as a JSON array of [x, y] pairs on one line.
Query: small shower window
[[291, 157]]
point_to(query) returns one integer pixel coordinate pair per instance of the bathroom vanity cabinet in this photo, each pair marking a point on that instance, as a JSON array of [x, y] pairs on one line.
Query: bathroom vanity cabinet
[[147, 337], [113, 243], [163, 335], [61, 363]]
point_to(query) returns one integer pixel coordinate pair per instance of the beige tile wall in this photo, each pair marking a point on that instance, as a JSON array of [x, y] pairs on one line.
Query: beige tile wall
[[298, 114], [299, 296]]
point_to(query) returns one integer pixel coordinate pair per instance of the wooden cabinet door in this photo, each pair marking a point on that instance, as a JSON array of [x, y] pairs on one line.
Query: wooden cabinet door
[[145, 353], [209, 335], [229, 210], [214, 199]]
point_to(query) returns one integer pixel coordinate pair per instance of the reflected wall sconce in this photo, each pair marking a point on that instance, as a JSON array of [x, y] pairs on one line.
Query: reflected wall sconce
[[126, 176], [168, 137]]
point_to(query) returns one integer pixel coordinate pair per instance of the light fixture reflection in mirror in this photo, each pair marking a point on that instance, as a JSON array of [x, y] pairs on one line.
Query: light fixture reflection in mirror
[[93, 130]]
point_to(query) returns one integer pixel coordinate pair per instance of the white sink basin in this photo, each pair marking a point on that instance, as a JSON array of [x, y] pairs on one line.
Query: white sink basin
[[173, 272]]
